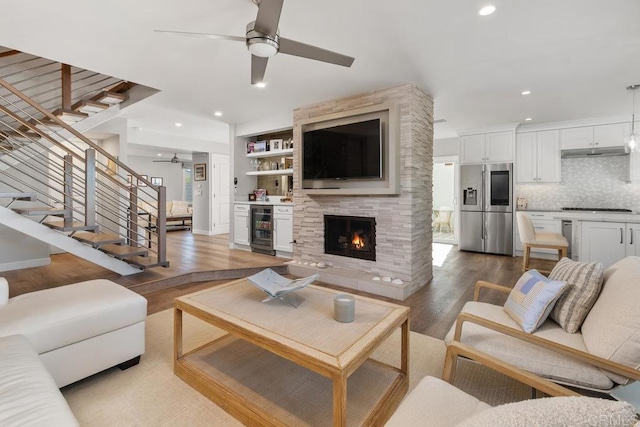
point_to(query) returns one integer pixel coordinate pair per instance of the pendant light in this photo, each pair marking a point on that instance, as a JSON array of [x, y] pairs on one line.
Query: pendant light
[[632, 142]]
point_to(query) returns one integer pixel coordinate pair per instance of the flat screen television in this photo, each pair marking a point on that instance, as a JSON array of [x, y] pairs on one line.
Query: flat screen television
[[351, 151]]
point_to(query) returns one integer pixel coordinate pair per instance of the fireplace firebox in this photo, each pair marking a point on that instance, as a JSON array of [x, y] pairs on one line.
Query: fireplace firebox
[[350, 236]]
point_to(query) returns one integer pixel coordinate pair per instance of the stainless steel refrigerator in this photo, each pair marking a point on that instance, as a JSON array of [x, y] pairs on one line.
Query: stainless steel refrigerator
[[486, 212]]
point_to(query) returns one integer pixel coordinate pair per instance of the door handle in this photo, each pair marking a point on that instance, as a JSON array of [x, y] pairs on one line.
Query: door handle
[[631, 236], [621, 235]]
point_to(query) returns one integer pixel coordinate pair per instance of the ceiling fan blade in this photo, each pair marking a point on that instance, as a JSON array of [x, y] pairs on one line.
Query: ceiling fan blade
[[268, 16], [258, 68], [291, 47], [205, 35]]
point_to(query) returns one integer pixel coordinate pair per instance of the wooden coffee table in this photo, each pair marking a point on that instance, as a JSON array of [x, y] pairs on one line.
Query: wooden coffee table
[[304, 338]]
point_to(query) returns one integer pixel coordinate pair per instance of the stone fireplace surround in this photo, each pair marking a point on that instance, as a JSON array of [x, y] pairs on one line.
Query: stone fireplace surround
[[403, 231]]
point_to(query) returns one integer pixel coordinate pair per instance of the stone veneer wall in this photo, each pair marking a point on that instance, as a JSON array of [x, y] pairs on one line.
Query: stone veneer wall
[[403, 226]]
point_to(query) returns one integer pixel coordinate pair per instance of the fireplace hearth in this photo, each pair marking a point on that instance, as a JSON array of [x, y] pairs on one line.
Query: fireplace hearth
[[350, 236]]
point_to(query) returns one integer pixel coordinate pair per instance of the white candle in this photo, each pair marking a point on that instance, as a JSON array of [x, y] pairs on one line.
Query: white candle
[[344, 308]]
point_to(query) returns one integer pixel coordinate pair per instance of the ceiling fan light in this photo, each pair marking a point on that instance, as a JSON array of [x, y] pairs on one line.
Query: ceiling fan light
[[262, 47]]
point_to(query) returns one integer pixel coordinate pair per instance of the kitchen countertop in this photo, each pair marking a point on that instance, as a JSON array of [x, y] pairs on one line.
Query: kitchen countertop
[[599, 216], [275, 200], [539, 210]]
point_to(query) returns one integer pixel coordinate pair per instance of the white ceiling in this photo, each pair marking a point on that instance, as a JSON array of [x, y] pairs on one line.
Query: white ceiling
[[576, 56]]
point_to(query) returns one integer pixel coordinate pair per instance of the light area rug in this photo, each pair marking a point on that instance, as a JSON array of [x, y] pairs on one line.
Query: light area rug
[[149, 394]]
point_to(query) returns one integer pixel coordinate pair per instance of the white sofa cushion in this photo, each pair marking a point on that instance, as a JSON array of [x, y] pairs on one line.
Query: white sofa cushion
[[556, 411], [56, 317], [435, 402], [4, 291], [612, 328], [179, 208], [28, 394], [530, 357]]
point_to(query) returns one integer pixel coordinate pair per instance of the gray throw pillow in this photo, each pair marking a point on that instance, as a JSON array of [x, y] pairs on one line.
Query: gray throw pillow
[[584, 282], [556, 411]]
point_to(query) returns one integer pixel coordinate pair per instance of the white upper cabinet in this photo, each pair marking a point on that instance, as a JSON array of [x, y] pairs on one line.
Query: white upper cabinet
[[538, 157], [611, 135], [494, 147], [549, 156], [573, 138]]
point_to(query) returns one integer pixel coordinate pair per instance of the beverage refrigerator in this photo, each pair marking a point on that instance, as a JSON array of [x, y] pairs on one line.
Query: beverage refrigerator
[[262, 229], [486, 209]]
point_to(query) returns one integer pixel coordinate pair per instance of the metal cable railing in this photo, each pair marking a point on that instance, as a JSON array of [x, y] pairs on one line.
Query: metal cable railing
[[40, 153]]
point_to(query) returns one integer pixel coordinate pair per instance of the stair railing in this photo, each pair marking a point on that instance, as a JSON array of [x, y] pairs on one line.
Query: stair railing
[[47, 156]]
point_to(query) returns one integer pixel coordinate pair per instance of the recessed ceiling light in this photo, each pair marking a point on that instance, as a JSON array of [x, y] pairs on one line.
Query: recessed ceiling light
[[528, 119], [217, 113], [178, 124], [261, 84], [159, 154], [526, 92], [487, 10]]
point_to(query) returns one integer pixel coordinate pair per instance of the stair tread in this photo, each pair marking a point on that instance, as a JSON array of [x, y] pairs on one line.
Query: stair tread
[[70, 116], [123, 250], [89, 106], [107, 97], [75, 225], [40, 210], [97, 239], [23, 136], [18, 196], [145, 262]]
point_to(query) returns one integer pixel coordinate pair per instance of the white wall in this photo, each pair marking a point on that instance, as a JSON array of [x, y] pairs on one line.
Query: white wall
[[265, 125], [446, 147], [171, 173], [202, 223], [443, 185]]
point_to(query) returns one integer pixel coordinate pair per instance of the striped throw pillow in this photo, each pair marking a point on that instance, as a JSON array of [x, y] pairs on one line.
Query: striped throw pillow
[[584, 282], [532, 298]]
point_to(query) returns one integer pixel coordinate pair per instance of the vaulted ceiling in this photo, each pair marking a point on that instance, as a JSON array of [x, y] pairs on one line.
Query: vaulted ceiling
[[576, 56]]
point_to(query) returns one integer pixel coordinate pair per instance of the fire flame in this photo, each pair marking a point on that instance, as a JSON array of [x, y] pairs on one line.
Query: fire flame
[[357, 241]]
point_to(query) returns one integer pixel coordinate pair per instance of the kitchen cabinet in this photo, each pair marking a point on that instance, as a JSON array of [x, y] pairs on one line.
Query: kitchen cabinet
[[496, 147], [241, 224], [543, 222], [608, 242], [600, 136], [283, 228], [538, 157]]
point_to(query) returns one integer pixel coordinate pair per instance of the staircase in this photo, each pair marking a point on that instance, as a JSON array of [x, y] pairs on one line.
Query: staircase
[[65, 190]]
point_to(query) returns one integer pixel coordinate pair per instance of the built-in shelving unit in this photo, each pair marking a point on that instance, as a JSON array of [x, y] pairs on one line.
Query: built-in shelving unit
[[272, 153], [272, 172]]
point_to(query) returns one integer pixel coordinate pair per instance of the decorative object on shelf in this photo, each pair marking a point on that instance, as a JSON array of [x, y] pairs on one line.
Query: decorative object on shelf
[[157, 181], [632, 142], [252, 197], [260, 147], [250, 147], [141, 182], [276, 144], [200, 172]]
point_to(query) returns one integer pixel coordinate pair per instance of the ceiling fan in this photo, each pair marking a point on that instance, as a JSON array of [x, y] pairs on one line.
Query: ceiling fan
[[263, 41], [174, 159]]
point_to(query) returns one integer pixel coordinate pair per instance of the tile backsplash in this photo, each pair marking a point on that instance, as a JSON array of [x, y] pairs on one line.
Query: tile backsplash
[[588, 182]]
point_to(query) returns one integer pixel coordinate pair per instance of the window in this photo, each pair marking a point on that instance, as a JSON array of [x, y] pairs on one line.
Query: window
[[187, 177]]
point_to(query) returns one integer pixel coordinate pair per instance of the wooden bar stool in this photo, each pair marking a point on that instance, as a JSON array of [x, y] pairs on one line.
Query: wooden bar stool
[[531, 239]]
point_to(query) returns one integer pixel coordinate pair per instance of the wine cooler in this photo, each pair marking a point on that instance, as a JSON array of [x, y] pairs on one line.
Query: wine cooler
[[262, 229]]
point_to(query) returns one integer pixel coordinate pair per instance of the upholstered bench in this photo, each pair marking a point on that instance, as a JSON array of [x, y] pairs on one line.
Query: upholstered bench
[[28, 393], [80, 329]]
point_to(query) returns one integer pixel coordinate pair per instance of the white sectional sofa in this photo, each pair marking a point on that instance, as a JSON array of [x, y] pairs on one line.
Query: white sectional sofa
[[28, 394]]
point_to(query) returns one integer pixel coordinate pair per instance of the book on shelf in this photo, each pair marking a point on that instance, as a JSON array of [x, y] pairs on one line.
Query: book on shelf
[[277, 286]]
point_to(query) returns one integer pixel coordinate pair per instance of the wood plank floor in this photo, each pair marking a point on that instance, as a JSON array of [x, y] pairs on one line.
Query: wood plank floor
[[433, 308]]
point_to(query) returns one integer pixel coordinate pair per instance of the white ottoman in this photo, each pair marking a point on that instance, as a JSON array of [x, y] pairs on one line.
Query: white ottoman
[[81, 329]]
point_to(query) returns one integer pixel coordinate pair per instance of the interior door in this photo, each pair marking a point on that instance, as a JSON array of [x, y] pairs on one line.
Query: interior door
[[221, 197]]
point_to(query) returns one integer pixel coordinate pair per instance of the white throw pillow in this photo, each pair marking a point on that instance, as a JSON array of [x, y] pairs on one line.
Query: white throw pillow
[[179, 207], [556, 411], [4, 291]]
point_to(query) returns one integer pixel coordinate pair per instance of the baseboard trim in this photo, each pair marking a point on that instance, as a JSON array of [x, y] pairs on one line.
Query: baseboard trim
[[19, 265], [202, 232]]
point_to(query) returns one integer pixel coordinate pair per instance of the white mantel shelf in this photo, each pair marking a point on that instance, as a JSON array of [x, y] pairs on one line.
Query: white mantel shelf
[[272, 153], [273, 172]]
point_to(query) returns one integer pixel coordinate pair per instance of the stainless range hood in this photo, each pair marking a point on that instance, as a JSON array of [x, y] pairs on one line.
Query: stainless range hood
[[583, 153]]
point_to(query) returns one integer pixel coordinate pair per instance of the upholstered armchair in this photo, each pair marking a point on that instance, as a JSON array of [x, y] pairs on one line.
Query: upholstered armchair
[[602, 354]]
